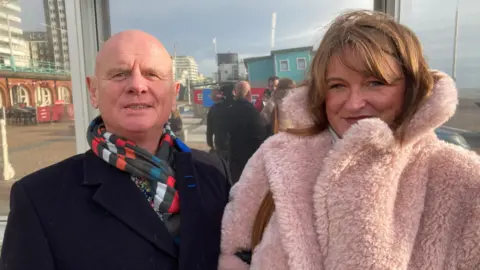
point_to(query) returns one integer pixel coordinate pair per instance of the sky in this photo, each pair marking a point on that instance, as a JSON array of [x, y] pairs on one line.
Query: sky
[[244, 26]]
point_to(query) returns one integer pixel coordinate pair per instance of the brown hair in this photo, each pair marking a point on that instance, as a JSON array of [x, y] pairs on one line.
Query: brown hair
[[373, 36], [284, 86]]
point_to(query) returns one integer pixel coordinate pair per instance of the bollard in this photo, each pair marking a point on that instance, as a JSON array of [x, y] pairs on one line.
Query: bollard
[[184, 135], [8, 171]]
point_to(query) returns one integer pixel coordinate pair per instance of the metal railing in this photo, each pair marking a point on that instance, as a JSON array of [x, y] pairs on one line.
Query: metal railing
[[32, 66]]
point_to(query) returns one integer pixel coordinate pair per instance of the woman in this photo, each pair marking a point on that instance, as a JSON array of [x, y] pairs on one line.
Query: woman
[[273, 113], [176, 122], [362, 182]]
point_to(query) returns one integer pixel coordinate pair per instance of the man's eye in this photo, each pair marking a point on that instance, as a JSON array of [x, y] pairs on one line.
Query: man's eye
[[153, 75], [118, 75]]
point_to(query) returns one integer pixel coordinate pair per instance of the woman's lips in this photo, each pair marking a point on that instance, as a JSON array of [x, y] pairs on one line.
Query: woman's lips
[[353, 120]]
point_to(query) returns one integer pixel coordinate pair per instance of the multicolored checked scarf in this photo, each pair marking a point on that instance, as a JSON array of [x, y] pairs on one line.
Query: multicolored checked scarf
[[129, 157]]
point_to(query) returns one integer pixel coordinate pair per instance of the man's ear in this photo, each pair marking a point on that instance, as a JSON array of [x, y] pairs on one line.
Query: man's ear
[[92, 89], [176, 90]]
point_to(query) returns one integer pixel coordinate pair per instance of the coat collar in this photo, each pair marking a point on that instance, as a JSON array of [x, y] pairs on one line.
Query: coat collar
[[121, 198]]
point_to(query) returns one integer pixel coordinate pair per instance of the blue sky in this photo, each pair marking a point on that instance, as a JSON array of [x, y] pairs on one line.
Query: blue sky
[[244, 26]]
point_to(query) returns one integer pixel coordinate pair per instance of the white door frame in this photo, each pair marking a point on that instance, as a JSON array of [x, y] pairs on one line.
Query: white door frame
[[88, 24], [391, 7]]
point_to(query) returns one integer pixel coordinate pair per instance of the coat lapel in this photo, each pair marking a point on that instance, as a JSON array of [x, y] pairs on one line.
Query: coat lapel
[[192, 212], [119, 195]]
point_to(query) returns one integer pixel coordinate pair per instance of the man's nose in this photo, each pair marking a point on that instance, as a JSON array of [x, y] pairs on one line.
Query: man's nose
[[355, 100], [137, 82]]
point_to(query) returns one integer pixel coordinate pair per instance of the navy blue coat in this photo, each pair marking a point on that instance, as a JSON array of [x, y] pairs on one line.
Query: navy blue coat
[[84, 214]]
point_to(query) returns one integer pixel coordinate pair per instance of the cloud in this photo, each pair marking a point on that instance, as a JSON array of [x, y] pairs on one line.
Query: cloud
[[250, 55], [32, 15], [207, 66], [306, 34]]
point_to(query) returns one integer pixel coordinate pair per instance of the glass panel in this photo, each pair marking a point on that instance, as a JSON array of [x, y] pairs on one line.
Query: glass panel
[[451, 39], [210, 44], [35, 91]]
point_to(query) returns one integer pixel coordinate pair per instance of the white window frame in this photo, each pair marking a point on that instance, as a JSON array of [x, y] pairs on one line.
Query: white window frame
[[88, 24], [391, 7], [305, 60], [280, 65]]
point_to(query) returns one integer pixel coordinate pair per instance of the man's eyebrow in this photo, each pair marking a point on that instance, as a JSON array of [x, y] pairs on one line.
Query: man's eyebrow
[[152, 70], [156, 70], [113, 70]]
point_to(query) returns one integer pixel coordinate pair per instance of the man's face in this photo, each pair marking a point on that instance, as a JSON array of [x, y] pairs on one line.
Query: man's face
[[133, 87], [272, 85]]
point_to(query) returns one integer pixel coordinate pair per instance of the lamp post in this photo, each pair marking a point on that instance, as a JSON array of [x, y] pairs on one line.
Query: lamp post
[[455, 42]]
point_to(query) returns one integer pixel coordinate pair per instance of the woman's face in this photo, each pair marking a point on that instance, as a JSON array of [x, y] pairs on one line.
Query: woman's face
[[352, 96]]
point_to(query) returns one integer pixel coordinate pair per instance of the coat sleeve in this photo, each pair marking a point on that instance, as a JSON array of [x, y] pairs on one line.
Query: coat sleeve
[[210, 125], [259, 103], [456, 176], [245, 199], [267, 111], [464, 171], [25, 245], [258, 129]]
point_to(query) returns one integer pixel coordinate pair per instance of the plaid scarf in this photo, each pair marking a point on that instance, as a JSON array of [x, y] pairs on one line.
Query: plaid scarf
[[129, 157]]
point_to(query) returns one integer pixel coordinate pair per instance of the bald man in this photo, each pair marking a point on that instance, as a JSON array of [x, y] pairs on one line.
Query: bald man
[[139, 198], [246, 130]]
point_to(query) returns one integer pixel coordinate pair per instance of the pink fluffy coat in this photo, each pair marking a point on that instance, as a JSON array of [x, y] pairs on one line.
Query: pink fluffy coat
[[364, 202]]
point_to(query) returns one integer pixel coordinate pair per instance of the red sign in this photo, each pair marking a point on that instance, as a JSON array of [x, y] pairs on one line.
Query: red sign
[[198, 96], [43, 114], [57, 112], [257, 91]]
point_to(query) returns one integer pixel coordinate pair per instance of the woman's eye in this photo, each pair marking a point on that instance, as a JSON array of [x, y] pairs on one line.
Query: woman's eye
[[375, 83], [335, 86]]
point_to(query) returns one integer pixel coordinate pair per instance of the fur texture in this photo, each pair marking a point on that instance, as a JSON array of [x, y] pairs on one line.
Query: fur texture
[[365, 202]]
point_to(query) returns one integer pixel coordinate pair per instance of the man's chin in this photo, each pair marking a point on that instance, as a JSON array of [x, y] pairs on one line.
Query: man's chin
[[139, 127]]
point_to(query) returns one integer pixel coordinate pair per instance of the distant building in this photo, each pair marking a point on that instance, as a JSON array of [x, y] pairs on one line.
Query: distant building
[[230, 68], [56, 23], [292, 63], [39, 50], [186, 69], [10, 20]]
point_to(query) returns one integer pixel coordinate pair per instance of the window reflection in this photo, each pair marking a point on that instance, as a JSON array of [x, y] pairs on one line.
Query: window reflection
[[35, 90], [450, 38]]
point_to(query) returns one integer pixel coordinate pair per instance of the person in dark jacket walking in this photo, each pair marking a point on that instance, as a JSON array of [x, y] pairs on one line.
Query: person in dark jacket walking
[[139, 198], [246, 129], [217, 133]]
